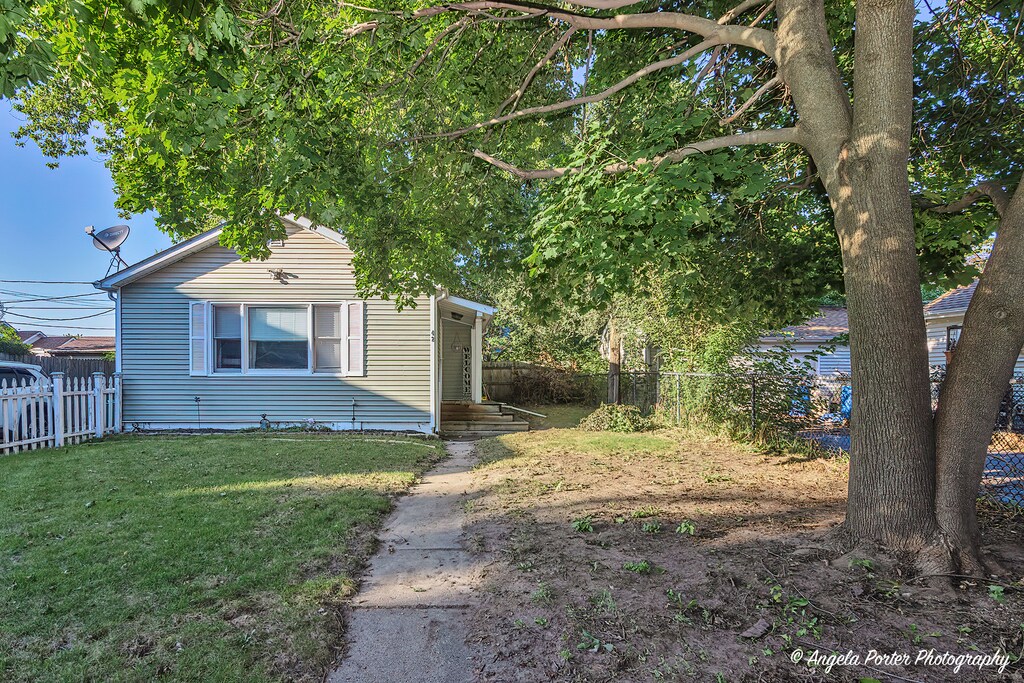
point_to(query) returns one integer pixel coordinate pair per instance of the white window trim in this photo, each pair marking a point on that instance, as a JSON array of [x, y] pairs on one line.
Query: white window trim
[[309, 370], [211, 340]]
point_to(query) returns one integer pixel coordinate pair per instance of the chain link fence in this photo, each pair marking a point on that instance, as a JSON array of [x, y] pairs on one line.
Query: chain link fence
[[814, 411]]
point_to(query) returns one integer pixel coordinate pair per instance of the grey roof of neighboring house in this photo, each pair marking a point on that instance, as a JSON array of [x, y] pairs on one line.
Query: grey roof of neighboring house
[[27, 334], [830, 322], [953, 301], [84, 345]]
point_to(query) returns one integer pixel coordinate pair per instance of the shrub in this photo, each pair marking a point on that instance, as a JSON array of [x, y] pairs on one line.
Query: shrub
[[615, 418], [10, 342]]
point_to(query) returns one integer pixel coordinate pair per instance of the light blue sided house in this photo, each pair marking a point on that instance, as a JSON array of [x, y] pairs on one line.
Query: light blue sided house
[[206, 340]]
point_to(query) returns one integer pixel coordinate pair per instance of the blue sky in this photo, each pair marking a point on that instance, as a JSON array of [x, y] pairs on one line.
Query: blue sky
[[42, 236]]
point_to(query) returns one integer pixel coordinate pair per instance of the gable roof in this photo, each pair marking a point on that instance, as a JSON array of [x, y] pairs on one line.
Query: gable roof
[[474, 306], [953, 301], [29, 336], [830, 322], [195, 244], [48, 343], [83, 345]]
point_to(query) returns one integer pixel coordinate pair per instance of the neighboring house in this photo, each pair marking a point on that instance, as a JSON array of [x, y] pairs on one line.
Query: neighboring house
[[91, 348], [29, 336], [42, 344], [207, 340], [67, 346], [810, 337], [944, 317]]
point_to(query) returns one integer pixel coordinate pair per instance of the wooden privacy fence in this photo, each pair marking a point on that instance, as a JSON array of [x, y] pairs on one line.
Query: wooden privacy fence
[[64, 410], [71, 367], [501, 378], [526, 383]]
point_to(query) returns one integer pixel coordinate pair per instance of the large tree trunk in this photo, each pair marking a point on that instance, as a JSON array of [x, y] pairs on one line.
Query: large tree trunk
[[892, 475], [976, 381], [892, 484], [862, 156]]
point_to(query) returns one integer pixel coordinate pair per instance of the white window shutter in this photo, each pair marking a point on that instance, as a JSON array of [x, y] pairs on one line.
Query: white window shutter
[[355, 338], [198, 322]]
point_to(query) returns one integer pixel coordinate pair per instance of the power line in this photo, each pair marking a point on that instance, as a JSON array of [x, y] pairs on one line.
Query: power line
[[55, 308], [52, 298], [61, 319], [77, 327], [46, 282]]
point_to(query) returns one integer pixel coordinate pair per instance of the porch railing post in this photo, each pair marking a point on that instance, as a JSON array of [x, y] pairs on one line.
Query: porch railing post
[[98, 403], [117, 403], [57, 408]]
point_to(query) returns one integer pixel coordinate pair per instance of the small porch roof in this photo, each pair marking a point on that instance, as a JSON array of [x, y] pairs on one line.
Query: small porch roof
[[465, 307], [475, 306]]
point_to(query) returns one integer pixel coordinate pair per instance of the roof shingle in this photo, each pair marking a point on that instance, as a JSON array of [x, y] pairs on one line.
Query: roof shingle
[[85, 345], [953, 301], [830, 322]]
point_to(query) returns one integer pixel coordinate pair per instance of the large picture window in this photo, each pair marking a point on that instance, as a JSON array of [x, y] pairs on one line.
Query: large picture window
[[275, 338], [278, 337]]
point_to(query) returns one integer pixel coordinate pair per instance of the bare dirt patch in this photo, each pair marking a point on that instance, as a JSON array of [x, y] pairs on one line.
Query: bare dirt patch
[[662, 556]]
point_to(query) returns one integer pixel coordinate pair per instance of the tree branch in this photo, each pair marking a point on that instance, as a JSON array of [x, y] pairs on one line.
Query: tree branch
[[757, 137], [750, 101], [995, 192], [602, 4], [514, 98], [576, 101], [758, 39], [454, 26], [740, 9]]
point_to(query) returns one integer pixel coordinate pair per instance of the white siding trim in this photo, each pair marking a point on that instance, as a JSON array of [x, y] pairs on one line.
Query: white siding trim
[[117, 332], [433, 363], [196, 244], [476, 352], [160, 260], [421, 427]]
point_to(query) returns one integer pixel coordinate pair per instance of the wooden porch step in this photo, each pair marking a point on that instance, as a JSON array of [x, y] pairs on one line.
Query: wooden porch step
[[475, 427], [471, 407], [481, 420], [474, 415]]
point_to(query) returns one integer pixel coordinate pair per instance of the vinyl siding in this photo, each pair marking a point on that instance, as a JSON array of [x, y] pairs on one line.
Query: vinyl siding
[[838, 362], [936, 330], [155, 346], [827, 364], [453, 334]]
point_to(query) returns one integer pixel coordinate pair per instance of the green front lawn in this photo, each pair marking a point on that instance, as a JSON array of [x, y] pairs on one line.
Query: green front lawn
[[198, 558]]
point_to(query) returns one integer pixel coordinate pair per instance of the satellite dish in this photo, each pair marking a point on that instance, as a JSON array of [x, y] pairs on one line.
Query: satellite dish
[[110, 239]]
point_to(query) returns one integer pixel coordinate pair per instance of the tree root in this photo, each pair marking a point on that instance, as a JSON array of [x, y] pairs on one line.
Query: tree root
[[938, 561]]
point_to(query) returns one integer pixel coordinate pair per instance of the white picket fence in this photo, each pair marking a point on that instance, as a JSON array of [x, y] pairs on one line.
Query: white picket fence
[[63, 410]]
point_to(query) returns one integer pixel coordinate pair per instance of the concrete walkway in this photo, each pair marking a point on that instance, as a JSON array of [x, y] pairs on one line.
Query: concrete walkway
[[408, 622]]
